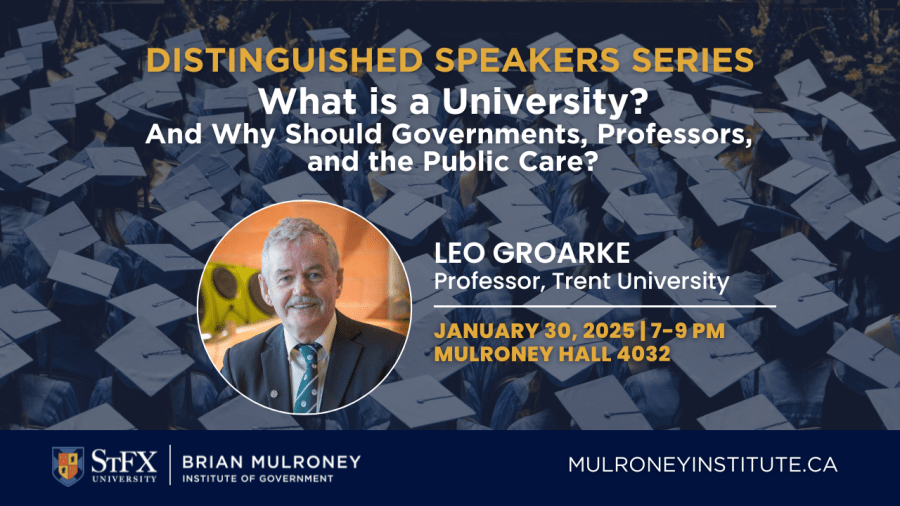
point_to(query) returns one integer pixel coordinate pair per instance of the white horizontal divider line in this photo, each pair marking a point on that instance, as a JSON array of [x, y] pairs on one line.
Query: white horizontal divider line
[[605, 306]]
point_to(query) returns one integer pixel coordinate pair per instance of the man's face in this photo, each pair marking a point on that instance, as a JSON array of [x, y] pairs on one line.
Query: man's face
[[302, 286]]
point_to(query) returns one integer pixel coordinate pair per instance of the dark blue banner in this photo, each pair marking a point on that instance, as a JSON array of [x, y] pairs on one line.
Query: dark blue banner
[[475, 466]]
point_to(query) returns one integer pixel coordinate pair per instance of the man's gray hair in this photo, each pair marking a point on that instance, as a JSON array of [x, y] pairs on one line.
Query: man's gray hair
[[292, 230]]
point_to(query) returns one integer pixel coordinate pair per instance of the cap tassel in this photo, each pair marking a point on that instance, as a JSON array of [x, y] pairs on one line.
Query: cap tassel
[[679, 264], [164, 352], [828, 205], [579, 298], [423, 401], [689, 117], [872, 357], [429, 351], [413, 209], [128, 162], [189, 195], [814, 261], [425, 297], [607, 414], [804, 170], [73, 231], [163, 303], [129, 98], [716, 355], [216, 170], [17, 311], [95, 277], [537, 227], [800, 298], [75, 172]]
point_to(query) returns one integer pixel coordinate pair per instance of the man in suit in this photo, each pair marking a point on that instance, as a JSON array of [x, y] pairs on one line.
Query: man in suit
[[317, 359]]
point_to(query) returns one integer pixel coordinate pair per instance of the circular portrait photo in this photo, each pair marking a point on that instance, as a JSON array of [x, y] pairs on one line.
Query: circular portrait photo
[[304, 307]]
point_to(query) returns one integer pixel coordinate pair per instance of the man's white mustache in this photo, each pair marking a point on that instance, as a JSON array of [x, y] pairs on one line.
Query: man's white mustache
[[303, 300]]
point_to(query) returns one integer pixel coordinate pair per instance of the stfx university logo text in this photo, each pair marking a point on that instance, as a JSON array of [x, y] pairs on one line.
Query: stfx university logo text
[[123, 466]]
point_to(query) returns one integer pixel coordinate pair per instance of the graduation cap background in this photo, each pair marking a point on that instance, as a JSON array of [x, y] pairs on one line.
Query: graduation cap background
[[825, 206], [715, 364], [755, 413], [155, 304], [792, 255], [418, 355], [245, 183], [420, 402], [613, 170], [12, 358], [722, 199], [65, 229], [168, 264], [300, 186], [38, 133], [421, 272], [406, 215], [886, 174], [602, 405], [887, 402], [81, 281], [103, 417], [538, 231], [867, 363], [214, 167], [243, 414], [793, 178], [193, 225], [15, 172], [801, 301], [144, 356], [513, 204], [21, 315], [188, 185]]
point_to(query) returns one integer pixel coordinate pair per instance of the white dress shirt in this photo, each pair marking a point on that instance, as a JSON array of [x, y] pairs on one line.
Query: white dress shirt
[[298, 365]]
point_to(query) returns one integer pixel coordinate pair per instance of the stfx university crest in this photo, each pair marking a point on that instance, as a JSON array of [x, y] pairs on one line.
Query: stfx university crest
[[67, 464]]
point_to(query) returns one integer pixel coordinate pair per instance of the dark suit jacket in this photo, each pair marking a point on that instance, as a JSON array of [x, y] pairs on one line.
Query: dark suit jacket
[[361, 356]]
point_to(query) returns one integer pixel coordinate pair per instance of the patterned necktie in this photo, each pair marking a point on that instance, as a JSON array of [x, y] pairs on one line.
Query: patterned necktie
[[308, 389]]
